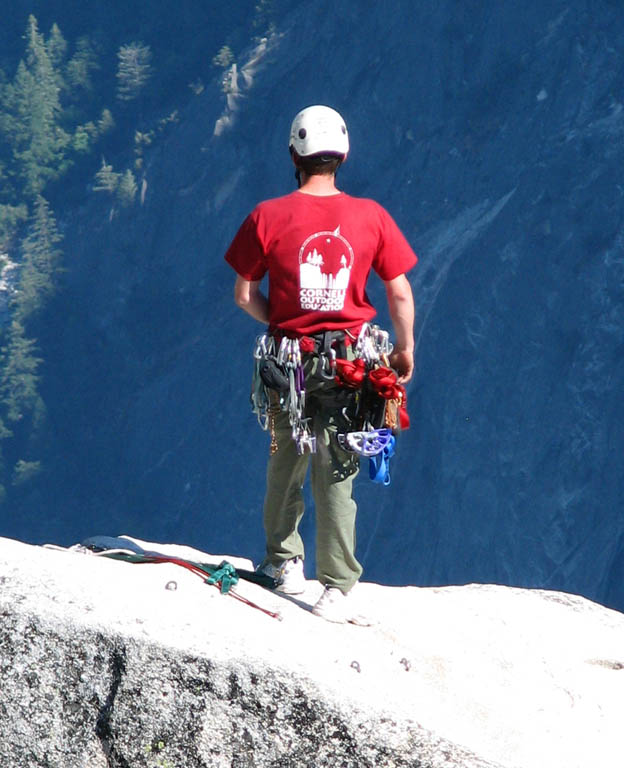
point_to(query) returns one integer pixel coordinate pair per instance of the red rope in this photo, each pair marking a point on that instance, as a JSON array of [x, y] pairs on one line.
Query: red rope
[[199, 571]]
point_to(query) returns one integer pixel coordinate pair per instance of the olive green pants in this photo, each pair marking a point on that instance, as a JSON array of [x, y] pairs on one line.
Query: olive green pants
[[333, 471]]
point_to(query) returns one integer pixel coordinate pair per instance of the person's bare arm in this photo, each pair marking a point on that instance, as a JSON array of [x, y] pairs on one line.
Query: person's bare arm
[[249, 297], [401, 307]]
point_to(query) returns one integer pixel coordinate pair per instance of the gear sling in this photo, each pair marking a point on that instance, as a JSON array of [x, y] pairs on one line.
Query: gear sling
[[370, 404]]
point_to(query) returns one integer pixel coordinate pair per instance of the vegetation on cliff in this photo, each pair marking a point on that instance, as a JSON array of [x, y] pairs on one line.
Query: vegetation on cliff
[[78, 117]]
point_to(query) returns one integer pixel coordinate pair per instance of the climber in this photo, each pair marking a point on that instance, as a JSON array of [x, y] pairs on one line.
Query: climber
[[318, 245]]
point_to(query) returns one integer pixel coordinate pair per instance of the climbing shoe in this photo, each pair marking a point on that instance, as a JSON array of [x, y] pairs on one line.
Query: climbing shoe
[[288, 575], [333, 605]]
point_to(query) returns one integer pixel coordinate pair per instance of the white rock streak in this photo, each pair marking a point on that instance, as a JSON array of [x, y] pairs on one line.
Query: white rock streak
[[238, 81]]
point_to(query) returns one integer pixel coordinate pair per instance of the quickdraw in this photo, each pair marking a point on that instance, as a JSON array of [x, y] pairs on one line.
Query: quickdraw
[[260, 400], [373, 345], [289, 356], [279, 384]]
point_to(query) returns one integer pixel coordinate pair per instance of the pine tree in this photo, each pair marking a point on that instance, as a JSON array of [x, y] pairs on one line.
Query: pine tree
[[83, 136], [32, 114], [224, 58], [81, 65], [10, 218], [133, 70], [127, 189], [18, 383], [106, 122], [20, 400], [56, 47], [106, 180], [40, 261], [25, 471]]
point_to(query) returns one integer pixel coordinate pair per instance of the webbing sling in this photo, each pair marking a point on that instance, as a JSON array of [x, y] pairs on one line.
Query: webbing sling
[[379, 465]]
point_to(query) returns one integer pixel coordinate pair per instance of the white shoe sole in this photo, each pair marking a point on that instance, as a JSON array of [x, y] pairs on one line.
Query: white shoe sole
[[286, 590]]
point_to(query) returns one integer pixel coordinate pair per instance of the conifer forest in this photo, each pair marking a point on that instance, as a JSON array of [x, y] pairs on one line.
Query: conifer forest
[[67, 104]]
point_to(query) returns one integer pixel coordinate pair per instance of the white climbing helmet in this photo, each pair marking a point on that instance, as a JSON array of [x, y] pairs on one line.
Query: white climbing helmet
[[319, 130]]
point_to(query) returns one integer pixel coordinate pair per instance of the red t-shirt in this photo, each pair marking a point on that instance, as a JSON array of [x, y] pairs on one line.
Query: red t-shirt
[[318, 252]]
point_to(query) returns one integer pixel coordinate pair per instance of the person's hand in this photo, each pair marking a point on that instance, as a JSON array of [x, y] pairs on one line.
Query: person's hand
[[403, 363]]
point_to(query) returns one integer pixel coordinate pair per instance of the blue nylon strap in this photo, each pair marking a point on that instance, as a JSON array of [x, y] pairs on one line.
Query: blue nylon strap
[[102, 543], [379, 465]]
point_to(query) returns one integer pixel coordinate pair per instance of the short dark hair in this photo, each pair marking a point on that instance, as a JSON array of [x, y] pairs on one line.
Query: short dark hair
[[318, 165]]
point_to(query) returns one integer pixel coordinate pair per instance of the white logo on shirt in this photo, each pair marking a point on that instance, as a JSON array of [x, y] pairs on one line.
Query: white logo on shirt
[[325, 261]]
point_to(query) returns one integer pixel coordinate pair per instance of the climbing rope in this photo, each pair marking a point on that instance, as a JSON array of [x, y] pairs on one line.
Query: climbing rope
[[223, 576]]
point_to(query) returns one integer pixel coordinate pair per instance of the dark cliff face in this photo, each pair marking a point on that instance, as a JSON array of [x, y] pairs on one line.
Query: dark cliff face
[[495, 138]]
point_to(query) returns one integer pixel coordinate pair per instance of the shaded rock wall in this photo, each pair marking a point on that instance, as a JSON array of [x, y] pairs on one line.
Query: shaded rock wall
[[494, 136]]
